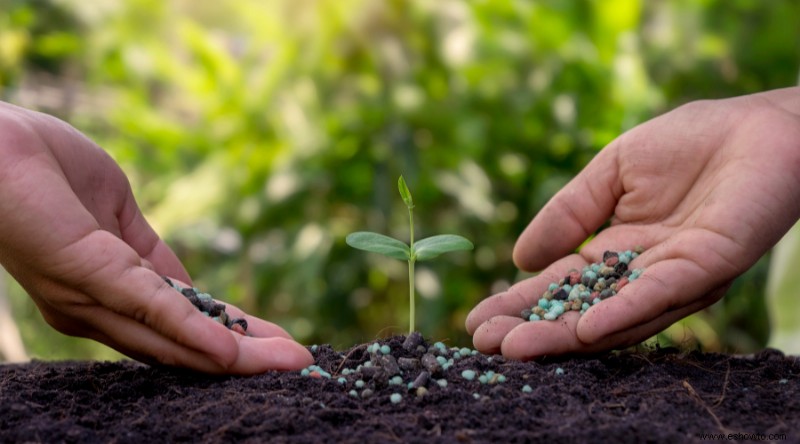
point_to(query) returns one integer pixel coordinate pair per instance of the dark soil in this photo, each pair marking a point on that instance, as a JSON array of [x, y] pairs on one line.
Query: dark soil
[[658, 396]]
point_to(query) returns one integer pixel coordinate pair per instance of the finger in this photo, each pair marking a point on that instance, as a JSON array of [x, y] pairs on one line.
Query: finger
[[172, 316], [572, 215], [118, 282], [488, 337], [101, 186], [507, 303], [786, 98], [654, 293], [144, 344], [531, 340], [256, 326], [622, 237], [137, 232], [147, 264], [521, 295], [641, 332], [253, 355], [257, 355]]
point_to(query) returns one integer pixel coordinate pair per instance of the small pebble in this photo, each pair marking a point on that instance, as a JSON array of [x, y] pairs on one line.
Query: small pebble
[[430, 363], [389, 365], [526, 388], [442, 383], [421, 379], [559, 371], [412, 341], [574, 277], [396, 398], [407, 363], [469, 375]]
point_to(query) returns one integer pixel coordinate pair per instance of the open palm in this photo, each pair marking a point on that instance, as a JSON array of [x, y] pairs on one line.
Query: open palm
[[707, 189], [74, 238]]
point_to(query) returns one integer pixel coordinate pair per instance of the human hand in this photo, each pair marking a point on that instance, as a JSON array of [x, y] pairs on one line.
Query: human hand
[[707, 189], [72, 235]]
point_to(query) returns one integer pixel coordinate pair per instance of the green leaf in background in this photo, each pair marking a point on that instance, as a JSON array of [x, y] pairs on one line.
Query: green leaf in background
[[378, 243], [433, 246], [404, 192]]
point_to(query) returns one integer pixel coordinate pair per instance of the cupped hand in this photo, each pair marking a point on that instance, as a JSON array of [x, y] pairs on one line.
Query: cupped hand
[[72, 235], [707, 189]]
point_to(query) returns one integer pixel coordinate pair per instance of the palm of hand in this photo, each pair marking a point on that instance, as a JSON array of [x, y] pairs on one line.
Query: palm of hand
[[75, 239], [707, 189]]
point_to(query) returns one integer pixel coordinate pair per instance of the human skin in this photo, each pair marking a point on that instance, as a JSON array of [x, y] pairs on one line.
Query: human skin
[[73, 236], [707, 189]]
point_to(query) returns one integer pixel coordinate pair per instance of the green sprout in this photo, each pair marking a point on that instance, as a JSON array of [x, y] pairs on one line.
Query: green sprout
[[412, 252]]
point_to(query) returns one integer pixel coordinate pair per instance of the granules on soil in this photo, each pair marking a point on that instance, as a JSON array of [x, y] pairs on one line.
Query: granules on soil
[[412, 366], [660, 396]]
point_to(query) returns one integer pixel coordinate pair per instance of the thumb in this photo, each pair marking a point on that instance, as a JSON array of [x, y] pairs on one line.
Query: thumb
[[572, 215], [137, 232]]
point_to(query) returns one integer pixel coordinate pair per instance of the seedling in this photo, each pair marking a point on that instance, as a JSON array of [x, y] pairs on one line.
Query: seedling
[[412, 252]]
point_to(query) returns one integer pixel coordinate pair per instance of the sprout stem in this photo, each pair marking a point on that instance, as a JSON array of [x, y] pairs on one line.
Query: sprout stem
[[411, 295], [412, 258]]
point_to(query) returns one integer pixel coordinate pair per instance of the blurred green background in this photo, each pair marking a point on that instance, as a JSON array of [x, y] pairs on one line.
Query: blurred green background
[[258, 134]]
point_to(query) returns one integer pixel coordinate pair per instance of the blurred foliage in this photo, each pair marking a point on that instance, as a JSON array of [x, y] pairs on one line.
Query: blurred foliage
[[258, 134], [783, 303]]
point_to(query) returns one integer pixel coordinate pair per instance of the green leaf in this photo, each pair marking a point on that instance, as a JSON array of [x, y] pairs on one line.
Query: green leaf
[[433, 246], [404, 192], [378, 243]]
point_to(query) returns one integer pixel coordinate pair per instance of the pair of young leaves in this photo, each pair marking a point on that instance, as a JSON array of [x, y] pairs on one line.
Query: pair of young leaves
[[421, 250]]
